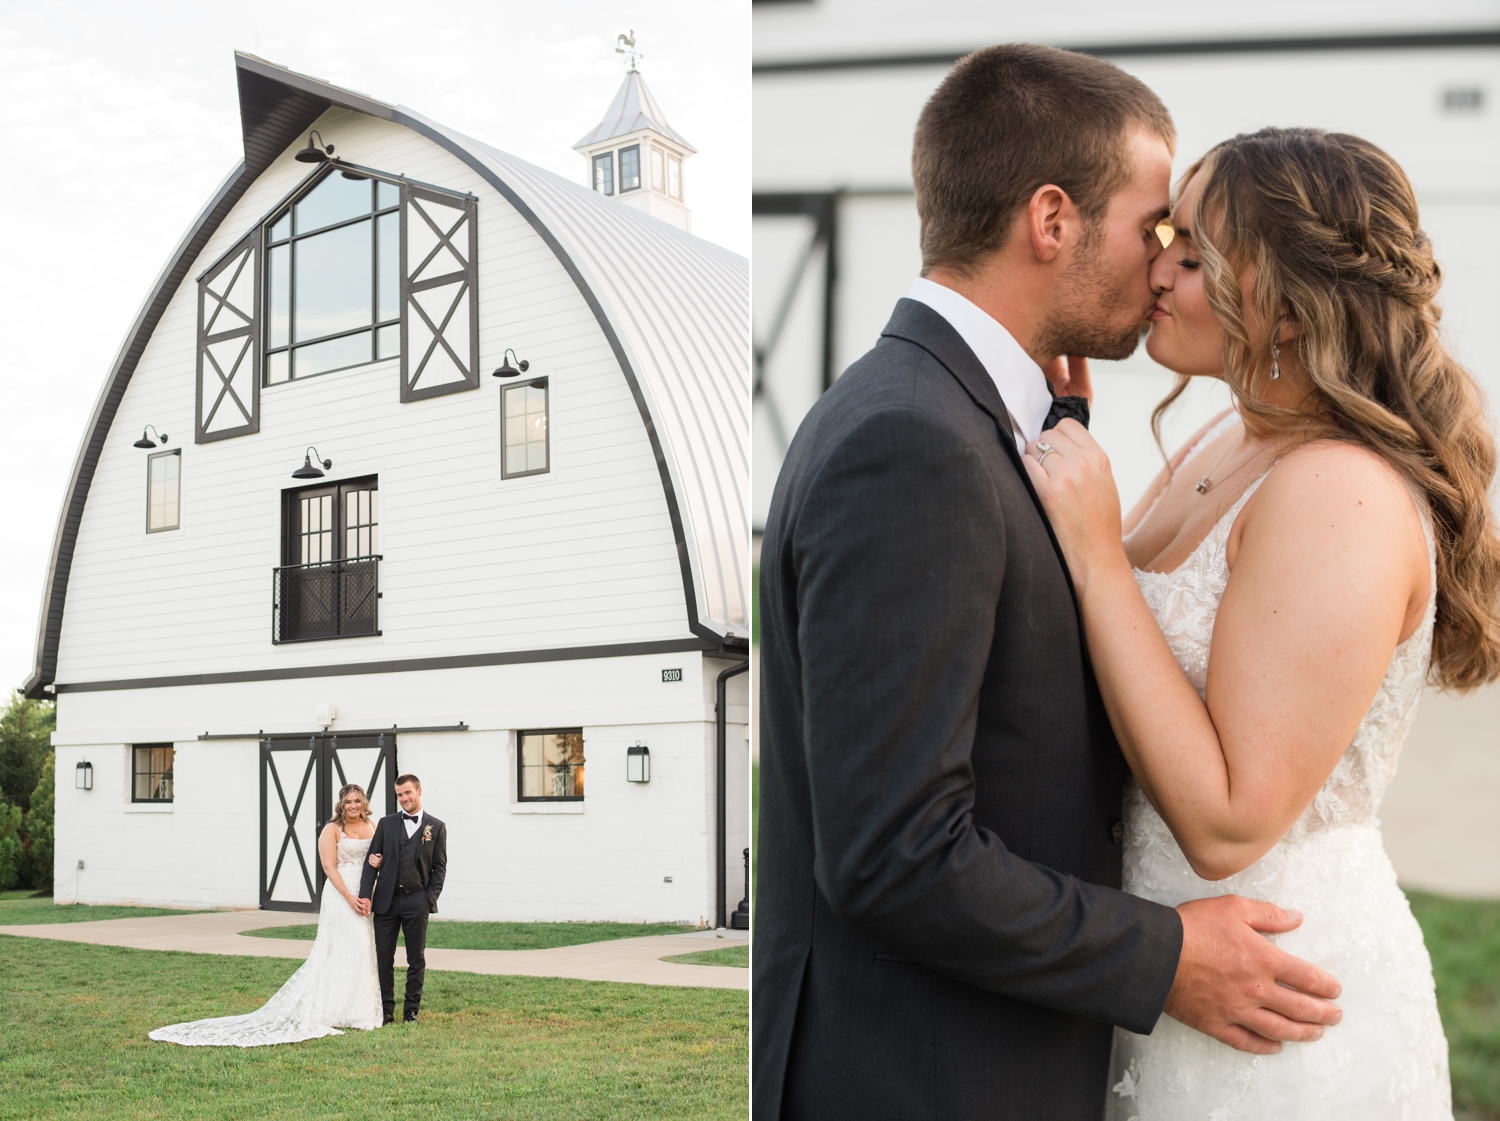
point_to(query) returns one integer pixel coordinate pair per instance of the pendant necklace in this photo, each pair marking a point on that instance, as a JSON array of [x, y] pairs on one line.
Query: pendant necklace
[[1207, 481]]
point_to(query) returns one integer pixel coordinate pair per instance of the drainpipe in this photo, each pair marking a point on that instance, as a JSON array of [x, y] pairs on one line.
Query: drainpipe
[[721, 706]]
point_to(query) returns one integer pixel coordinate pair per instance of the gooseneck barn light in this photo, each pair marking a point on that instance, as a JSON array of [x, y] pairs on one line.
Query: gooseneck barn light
[[307, 470], [314, 153], [506, 370], [146, 441]]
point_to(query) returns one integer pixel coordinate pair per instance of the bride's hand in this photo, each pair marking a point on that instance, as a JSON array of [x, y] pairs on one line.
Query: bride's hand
[[1072, 477], [376, 859]]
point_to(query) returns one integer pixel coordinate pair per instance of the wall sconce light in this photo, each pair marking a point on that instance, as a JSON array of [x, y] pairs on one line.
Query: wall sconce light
[[83, 776], [314, 153], [638, 763], [307, 470], [146, 441], [506, 370]]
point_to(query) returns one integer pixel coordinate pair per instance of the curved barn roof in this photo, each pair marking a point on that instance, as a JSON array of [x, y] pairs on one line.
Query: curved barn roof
[[674, 308]]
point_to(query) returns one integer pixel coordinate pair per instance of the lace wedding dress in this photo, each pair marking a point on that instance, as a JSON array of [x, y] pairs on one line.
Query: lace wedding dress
[[1387, 1060], [337, 985]]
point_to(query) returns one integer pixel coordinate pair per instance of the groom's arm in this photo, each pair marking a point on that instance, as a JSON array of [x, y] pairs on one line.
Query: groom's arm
[[439, 867], [368, 873], [899, 550]]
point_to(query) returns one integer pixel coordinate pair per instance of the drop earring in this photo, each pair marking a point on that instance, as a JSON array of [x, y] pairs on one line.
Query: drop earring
[[1275, 362]]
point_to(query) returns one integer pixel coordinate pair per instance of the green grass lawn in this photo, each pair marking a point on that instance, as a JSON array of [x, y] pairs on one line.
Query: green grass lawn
[[18, 907], [444, 934], [737, 956], [1463, 936], [74, 1018]]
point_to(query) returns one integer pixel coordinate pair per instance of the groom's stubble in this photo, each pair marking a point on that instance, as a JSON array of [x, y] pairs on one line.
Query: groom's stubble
[[1095, 313]]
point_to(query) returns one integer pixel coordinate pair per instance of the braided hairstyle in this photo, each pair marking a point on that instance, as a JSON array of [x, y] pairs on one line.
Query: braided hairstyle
[[1323, 229]]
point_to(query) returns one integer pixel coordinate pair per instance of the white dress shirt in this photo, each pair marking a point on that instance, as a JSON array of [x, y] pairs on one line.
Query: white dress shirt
[[412, 826], [1022, 385]]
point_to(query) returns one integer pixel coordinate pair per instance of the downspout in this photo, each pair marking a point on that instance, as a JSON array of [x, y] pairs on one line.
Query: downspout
[[721, 705]]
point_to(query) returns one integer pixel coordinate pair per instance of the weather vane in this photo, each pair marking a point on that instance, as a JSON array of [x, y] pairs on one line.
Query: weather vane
[[627, 47]]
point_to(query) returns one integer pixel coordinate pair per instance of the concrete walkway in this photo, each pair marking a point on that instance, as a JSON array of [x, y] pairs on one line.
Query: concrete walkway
[[633, 960]]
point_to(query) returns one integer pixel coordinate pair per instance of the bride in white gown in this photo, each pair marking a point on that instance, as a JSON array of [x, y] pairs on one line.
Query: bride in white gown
[[1281, 597], [337, 987]]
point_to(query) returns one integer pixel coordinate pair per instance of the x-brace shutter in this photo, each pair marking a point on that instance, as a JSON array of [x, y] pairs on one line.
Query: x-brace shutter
[[228, 397], [439, 294]]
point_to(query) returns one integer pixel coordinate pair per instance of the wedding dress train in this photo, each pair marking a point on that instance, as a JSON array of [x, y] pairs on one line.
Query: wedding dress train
[[1387, 1060], [336, 987]]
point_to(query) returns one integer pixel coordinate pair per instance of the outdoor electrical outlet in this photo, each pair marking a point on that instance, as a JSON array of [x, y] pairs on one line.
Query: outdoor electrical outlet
[[80, 866], [666, 879]]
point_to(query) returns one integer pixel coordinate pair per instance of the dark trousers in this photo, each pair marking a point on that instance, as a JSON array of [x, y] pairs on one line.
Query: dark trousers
[[408, 914]]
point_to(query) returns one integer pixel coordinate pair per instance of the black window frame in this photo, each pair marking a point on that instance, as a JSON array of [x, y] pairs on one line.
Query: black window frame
[[340, 567], [150, 459], [161, 775], [547, 412], [634, 149], [608, 159], [285, 209], [521, 735]]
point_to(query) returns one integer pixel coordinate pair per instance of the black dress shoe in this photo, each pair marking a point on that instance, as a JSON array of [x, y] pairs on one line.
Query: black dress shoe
[[389, 1019], [409, 1017]]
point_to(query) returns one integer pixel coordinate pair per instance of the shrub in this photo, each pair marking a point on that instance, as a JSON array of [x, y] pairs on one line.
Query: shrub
[[11, 853], [38, 826], [25, 740]]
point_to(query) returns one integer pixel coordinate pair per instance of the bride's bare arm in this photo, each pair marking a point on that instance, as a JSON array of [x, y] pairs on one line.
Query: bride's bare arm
[[1328, 572], [328, 855]]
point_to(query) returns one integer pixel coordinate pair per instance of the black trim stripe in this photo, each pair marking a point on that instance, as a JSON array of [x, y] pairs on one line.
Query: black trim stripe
[[1479, 37], [403, 665]]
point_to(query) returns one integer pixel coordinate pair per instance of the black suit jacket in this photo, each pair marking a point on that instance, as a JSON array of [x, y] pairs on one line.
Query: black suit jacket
[[432, 861], [938, 932]]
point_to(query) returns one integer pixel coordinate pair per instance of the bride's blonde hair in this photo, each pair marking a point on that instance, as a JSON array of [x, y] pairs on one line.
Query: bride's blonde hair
[[1328, 224], [339, 818]]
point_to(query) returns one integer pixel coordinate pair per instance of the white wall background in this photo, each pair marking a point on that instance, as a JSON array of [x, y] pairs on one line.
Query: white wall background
[[120, 120]]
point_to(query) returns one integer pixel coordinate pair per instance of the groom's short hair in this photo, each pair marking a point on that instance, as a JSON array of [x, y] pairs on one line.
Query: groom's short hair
[[1010, 119], [402, 780]]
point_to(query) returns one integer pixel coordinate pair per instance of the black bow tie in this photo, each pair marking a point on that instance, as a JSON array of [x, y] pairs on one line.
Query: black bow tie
[[1064, 407], [407, 817]]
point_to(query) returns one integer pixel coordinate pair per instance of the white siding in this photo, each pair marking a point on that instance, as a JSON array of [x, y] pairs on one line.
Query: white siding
[[602, 859], [582, 555]]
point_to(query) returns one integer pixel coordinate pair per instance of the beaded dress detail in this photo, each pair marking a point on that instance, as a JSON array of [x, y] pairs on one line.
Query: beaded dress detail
[[1387, 1060], [337, 987]]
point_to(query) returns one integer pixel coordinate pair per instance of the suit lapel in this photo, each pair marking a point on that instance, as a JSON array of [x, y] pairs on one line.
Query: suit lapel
[[918, 324]]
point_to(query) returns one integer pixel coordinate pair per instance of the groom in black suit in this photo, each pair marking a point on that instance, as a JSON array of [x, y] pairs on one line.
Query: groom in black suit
[[407, 864], [940, 932]]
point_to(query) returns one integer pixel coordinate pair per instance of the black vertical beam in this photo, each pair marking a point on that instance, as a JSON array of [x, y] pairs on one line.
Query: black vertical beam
[[721, 706]]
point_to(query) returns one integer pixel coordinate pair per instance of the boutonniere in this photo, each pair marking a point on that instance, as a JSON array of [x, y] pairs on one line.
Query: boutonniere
[[427, 834]]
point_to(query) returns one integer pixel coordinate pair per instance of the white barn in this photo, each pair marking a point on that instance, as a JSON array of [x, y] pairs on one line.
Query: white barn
[[514, 586]]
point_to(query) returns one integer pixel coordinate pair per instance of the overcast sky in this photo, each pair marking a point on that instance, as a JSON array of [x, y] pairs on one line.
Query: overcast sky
[[117, 121]]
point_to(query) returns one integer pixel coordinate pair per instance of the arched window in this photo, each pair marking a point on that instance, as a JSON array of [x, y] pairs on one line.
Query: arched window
[[353, 267]]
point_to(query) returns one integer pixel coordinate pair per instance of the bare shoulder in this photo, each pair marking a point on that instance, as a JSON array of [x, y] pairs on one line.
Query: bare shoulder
[[1333, 487]]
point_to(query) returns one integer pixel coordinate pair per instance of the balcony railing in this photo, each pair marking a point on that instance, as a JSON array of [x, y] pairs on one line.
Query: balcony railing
[[331, 599]]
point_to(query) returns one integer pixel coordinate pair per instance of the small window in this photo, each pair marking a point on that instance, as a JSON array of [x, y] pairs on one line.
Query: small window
[[151, 772], [163, 490], [658, 174], [630, 168], [523, 428], [550, 765], [604, 173], [674, 177]]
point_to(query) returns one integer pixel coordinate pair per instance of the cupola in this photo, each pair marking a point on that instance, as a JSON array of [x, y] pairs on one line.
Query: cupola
[[634, 156]]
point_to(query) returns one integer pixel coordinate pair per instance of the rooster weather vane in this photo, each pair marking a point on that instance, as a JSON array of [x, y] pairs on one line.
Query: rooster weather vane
[[626, 47]]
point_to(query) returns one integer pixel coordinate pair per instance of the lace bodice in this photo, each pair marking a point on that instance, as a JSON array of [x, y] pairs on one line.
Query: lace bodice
[[351, 853], [1185, 602], [1387, 1060]]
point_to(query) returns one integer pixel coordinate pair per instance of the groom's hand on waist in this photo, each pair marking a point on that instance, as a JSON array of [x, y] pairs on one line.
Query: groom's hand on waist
[[1234, 985]]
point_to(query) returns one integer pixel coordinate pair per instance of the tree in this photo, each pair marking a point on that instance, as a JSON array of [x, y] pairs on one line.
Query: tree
[[38, 826], [25, 740], [11, 852]]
